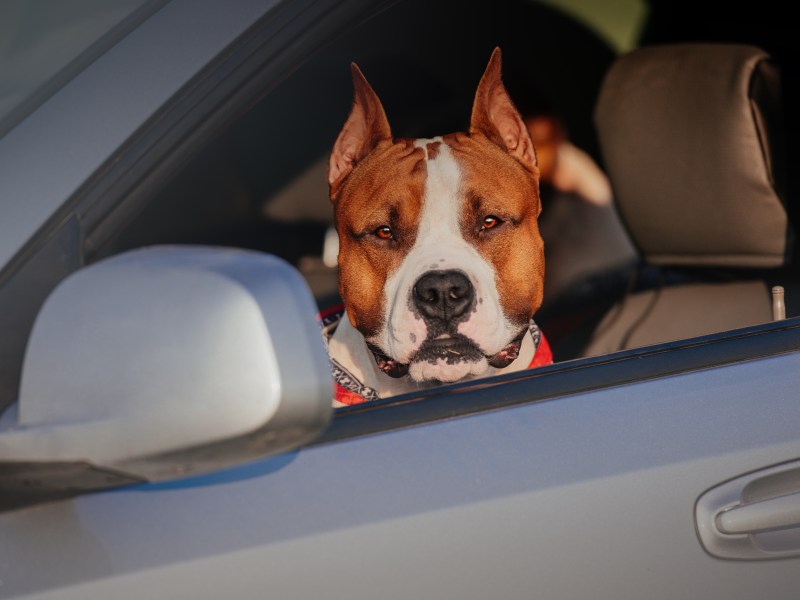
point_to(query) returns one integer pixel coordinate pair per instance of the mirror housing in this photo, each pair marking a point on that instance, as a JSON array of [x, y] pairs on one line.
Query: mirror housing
[[161, 363]]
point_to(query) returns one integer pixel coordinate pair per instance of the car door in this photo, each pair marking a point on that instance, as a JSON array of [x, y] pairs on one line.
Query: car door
[[577, 480]]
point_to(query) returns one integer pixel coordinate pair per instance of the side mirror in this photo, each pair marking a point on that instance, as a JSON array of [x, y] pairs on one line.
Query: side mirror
[[161, 363]]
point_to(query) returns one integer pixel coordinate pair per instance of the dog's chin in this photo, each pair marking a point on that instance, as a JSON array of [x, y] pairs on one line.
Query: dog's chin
[[445, 370], [447, 358]]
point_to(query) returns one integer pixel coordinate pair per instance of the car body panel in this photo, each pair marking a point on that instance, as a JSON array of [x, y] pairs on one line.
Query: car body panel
[[589, 494]]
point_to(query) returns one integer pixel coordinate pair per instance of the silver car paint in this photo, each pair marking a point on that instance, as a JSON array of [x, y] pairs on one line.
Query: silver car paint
[[590, 495]]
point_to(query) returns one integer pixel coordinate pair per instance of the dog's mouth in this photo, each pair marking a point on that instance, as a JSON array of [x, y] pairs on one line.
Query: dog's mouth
[[451, 349], [509, 353], [386, 363]]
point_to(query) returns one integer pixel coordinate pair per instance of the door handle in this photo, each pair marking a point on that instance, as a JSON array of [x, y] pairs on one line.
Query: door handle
[[776, 513], [753, 517]]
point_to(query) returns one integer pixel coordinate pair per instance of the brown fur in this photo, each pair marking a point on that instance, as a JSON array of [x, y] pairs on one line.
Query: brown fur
[[497, 184], [386, 188]]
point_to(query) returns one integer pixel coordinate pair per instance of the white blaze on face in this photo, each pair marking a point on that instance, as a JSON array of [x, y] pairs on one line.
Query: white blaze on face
[[440, 245]]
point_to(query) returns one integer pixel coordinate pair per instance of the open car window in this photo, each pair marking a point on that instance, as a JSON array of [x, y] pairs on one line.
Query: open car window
[[262, 183]]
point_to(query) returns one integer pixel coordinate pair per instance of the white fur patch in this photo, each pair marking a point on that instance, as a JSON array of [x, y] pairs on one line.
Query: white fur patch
[[440, 245]]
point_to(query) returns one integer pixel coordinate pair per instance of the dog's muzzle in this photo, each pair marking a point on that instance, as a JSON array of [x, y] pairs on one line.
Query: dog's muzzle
[[444, 299]]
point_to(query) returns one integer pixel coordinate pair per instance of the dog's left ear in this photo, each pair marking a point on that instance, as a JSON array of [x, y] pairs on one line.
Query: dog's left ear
[[365, 127], [495, 116]]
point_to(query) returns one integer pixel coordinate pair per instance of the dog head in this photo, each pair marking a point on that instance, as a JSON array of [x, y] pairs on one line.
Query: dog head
[[440, 259]]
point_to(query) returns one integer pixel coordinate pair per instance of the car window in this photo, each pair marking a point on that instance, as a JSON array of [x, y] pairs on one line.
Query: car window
[[43, 44], [275, 187]]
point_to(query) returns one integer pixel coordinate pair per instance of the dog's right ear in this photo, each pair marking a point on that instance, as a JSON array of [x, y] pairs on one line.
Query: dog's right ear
[[365, 127]]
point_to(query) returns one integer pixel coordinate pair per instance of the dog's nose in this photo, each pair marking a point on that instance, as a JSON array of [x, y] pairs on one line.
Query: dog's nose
[[443, 295]]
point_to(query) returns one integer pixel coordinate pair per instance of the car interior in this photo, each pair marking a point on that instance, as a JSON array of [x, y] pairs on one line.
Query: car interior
[[693, 138], [661, 111]]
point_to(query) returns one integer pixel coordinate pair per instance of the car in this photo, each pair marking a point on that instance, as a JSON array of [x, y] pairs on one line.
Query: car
[[166, 428]]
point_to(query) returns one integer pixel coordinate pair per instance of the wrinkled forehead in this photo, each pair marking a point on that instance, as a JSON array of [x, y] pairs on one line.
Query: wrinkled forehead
[[390, 177], [394, 180], [490, 174]]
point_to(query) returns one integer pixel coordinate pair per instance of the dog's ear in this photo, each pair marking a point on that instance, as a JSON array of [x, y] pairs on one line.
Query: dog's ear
[[495, 116], [365, 127]]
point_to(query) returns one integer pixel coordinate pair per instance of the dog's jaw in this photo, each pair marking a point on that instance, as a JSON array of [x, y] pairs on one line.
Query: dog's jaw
[[348, 349]]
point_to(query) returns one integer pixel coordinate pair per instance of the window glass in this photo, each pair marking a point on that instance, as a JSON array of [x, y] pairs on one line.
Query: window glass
[[39, 39]]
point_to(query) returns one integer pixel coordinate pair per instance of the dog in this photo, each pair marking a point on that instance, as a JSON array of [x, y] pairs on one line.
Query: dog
[[441, 264]]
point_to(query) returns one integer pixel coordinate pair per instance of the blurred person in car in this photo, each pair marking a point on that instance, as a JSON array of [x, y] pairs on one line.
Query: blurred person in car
[[584, 238]]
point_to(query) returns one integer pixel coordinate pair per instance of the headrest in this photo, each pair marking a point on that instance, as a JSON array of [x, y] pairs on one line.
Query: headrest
[[691, 135]]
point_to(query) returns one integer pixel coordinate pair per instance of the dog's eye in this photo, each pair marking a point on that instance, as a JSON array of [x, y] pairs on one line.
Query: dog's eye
[[384, 232], [490, 221]]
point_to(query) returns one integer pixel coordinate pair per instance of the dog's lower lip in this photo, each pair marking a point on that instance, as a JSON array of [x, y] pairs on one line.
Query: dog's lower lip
[[447, 342], [448, 347]]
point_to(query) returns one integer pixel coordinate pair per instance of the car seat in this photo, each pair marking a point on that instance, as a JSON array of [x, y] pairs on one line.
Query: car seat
[[692, 139]]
